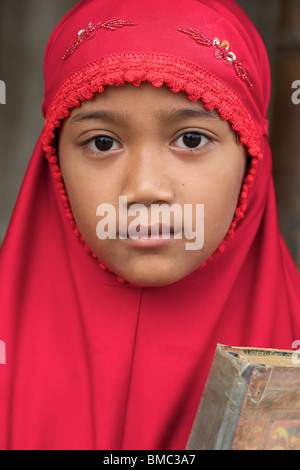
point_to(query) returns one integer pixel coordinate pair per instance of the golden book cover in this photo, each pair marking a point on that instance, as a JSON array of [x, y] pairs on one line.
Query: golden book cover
[[251, 401]]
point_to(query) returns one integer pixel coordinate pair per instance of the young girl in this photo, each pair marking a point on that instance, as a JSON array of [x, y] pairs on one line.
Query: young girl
[[109, 339]]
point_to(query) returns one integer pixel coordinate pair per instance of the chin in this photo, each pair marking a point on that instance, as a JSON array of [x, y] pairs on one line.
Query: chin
[[152, 282], [152, 278]]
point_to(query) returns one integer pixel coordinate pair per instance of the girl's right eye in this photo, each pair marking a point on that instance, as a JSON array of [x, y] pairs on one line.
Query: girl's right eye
[[102, 143]]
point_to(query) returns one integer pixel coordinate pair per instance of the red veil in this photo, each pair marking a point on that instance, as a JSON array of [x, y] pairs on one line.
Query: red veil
[[93, 362]]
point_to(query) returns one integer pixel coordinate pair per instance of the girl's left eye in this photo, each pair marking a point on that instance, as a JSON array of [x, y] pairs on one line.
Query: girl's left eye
[[191, 140], [102, 143]]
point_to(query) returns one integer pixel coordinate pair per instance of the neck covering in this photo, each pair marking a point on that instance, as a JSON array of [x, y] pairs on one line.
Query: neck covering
[[93, 362]]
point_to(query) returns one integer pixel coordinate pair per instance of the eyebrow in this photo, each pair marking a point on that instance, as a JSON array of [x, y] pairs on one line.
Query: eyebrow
[[183, 113], [173, 115], [99, 115]]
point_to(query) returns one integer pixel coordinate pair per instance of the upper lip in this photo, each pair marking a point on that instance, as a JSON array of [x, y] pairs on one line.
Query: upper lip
[[154, 229], [158, 228]]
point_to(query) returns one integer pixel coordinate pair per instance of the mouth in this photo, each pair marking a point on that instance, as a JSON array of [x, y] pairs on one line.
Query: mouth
[[150, 236]]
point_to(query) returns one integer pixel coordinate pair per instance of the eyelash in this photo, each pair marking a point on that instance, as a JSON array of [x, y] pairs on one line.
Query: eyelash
[[192, 134], [93, 140], [200, 135]]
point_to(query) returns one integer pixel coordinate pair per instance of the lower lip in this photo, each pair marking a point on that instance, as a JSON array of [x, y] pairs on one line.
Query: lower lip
[[149, 242]]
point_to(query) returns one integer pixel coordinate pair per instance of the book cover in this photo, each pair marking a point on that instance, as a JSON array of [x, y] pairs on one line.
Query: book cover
[[251, 401]]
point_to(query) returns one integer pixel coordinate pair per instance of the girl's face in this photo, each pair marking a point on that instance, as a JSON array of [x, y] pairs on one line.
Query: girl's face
[[152, 147]]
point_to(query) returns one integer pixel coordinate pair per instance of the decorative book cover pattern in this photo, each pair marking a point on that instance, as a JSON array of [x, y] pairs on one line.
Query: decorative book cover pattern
[[251, 401]]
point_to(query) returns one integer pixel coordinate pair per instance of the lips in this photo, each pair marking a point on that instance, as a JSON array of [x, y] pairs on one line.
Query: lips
[[149, 236], [155, 231]]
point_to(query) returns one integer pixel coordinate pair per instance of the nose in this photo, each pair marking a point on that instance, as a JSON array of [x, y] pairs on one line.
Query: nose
[[148, 179]]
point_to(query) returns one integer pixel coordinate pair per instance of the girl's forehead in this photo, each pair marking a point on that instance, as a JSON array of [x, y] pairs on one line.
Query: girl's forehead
[[160, 99]]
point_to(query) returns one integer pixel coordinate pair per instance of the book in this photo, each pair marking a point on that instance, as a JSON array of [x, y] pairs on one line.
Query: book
[[251, 401]]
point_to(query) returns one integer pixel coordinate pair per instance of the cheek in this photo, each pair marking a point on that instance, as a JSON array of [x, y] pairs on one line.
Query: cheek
[[85, 199], [220, 194], [84, 196]]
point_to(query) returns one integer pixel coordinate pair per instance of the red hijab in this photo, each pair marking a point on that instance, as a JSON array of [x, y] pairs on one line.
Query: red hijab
[[93, 362]]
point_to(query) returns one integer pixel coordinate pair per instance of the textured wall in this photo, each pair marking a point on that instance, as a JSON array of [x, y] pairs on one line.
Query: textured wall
[[24, 30], [25, 26]]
